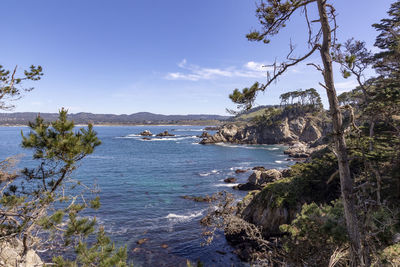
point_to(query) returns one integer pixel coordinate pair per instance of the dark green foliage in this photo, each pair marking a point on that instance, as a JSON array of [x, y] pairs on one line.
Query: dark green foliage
[[11, 85], [315, 233], [48, 201], [387, 62], [307, 183], [306, 98], [102, 254], [245, 98]]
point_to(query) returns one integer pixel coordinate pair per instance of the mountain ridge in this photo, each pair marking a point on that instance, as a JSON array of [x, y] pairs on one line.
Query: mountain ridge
[[22, 118]]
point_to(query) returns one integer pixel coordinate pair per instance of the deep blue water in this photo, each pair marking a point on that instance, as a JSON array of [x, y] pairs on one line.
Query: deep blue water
[[142, 182]]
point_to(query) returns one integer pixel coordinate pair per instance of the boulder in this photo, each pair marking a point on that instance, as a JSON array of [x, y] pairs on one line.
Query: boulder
[[261, 178], [11, 255], [259, 168], [165, 133], [246, 187], [146, 133], [298, 150], [240, 171]]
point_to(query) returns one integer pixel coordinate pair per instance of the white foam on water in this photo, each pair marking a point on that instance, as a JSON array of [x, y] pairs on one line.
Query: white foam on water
[[260, 147], [279, 161], [182, 217], [188, 130], [169, 138], [209, 173], [225, 185]]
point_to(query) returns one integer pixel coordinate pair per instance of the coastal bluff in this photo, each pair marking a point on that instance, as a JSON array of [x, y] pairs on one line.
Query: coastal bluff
[[287, 128]]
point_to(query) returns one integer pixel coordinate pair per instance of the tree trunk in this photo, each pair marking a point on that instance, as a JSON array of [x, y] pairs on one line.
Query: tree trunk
[[346, 182]]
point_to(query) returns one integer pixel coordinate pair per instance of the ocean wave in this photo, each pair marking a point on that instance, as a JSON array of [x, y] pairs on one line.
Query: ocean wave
[[183, 218], [188, 130], [169, 138], [225, 185], [261, 147], [279, 161], [209, 173]]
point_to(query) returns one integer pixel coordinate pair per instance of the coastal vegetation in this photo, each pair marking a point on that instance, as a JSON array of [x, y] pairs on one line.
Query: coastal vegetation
[[341, 206], [337, 205], [42, 207]]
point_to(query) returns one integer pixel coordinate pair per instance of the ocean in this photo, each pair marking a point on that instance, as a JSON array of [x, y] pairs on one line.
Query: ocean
[[142, 182]]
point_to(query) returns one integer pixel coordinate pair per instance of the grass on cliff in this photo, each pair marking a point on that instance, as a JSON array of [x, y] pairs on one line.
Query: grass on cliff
[[307, 183]]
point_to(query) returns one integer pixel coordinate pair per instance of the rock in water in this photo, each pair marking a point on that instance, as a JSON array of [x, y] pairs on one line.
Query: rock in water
[[165, 133], [142, 241], [230, 180], [205, 135], [146, 133]]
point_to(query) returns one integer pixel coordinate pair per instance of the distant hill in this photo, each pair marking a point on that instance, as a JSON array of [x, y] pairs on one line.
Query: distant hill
[[22, 118]]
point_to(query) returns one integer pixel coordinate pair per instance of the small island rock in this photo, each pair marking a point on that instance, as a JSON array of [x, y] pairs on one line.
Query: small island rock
[[165, 133], [146, 133]]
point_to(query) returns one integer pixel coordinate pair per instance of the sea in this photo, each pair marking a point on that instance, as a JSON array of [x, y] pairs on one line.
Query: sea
[[141, 184]]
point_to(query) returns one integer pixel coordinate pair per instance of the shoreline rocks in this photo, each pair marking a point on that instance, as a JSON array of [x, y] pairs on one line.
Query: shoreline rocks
[[286, 129], [11, 251], [204, 135]]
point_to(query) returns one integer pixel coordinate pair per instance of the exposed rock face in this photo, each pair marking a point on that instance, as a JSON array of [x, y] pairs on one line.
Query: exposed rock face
[[205, 135], [259, 179], [263, 212], [10, 255], [165, 133], [285, 131], [146, 133], [301, 150]]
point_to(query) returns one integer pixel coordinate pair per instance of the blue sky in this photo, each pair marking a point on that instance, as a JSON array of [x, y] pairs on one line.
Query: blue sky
[[169, 57]]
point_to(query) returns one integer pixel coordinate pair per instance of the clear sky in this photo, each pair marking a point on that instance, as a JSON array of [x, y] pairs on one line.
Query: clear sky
[[169, 57]]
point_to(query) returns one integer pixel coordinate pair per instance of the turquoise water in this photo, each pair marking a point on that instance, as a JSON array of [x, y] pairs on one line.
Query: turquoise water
[[142, 182]]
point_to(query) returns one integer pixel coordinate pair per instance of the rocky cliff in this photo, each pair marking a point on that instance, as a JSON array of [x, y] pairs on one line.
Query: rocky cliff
[[287, 128]]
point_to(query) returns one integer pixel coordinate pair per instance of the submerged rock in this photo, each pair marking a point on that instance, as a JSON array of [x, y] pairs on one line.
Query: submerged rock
[[200, 198], [240, 171], [142, 241], [230, 180]]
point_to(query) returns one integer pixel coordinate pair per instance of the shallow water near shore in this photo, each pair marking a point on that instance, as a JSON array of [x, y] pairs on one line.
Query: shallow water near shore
[[142, 183]]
